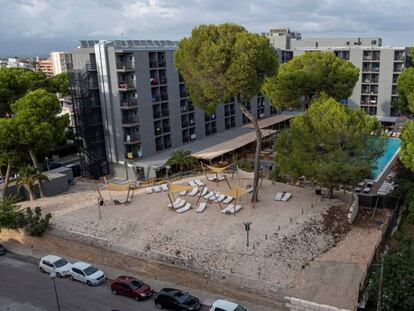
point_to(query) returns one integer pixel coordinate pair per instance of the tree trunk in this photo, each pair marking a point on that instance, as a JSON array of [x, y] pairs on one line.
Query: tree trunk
[[36, 164], [258, 132], [6, 179], [31, 194], [331, 188]]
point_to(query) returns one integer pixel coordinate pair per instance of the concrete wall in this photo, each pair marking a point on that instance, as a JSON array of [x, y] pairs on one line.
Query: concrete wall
[[296, 304]]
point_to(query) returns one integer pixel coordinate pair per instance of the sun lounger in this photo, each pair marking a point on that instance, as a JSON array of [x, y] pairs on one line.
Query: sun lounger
[[157, 189], [215, 196], [211, 178], [193, 192], [192, 183], [250, 189], [175, 203], [286, 197], [234, 210], [199, 182], [201, 207], [183, 192], [181, 204], [185, 208], [228, 200], [366, 190], [227, 208], [164, 187], [220, 198], [149, 190], [209, 195], [279, 196], [204, 192], [221, 177]]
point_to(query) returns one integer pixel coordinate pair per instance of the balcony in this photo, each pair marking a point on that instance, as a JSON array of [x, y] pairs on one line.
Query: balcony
[[132, 139], [163, 80], [130, 121], [183, 94], [126, 86], [156, 98], [124, 66], [164, 97], [131, 155], [129, 104], [90, 66]]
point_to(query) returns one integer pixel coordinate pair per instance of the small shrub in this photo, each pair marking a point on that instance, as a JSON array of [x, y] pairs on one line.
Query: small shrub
[[246, 165], [35, 223]]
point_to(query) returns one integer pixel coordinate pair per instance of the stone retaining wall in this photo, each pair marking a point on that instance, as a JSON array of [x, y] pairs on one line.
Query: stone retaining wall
[[296, 304]]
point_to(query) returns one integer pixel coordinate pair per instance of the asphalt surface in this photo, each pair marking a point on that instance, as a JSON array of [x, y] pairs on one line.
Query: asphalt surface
[[24, 288]]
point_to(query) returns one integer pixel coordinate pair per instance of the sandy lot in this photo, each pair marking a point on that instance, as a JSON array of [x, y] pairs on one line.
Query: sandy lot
[[285, 236]]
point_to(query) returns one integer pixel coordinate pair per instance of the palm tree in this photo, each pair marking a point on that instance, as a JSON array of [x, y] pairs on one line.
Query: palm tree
[[183, 159], [28, 176]]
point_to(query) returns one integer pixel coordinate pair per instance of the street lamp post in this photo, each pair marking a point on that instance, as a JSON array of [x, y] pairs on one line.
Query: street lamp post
[[53, 277], [247, 228]]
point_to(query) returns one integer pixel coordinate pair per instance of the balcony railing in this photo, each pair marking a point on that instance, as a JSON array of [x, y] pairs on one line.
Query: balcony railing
[[130, 121], [156, 98], [132, 139], [129, 103], [133, 154], [164, 96], [90, 66], [124, 66], [126, 85]]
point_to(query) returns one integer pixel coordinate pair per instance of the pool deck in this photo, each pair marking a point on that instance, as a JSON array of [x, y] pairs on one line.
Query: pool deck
[[377, 185]]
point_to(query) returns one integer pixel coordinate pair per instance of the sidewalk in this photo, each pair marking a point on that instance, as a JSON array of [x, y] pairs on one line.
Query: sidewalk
[[206, 298]]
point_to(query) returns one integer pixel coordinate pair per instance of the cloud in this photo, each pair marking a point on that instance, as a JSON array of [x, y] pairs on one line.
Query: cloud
[[26, 23]]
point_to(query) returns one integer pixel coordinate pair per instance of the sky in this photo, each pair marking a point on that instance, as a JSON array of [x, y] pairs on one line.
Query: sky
[[36, 27]]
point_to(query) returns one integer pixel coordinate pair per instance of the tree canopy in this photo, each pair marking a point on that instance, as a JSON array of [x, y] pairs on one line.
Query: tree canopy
[[183, 159], [329, 144], [59, 84], [407, 148], [218, 62], [306, 76], [405, 87], [14, 83]]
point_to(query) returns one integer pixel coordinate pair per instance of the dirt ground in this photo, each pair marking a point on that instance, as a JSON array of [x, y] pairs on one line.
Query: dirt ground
[[287, 239]]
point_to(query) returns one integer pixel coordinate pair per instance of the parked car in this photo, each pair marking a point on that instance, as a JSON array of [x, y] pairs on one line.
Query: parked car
[[3, 250], [86, 273], [225, 305], [54, 264], [131, 287], [175, 299]]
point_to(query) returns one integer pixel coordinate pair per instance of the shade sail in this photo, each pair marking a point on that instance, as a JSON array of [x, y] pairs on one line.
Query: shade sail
[[118, 187], [178, 188], [216, 169], [236, 192]]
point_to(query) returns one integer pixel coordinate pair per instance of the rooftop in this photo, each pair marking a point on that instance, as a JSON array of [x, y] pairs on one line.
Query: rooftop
[[134, 44]]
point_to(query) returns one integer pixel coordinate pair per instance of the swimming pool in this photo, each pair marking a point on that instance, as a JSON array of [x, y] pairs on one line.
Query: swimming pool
[[392, 145]]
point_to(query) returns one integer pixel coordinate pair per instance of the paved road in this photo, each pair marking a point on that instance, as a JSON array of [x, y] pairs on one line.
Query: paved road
[[24, 288]]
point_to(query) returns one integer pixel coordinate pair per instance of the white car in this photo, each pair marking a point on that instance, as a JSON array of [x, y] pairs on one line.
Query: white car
[[225, 305], [86, 273], [55, 264]]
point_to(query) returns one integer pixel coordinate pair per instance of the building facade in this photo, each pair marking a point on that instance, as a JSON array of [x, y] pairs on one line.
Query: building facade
[[144, 105], [376, 89], [60, 60], [45, 66]]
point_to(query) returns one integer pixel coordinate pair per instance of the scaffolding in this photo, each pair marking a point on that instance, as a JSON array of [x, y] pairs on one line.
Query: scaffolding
[[84, 90]]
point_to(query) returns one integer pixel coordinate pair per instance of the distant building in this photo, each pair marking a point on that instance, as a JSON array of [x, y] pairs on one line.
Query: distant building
[[15, 62], [60, 61], [376, 90], [45, 66]]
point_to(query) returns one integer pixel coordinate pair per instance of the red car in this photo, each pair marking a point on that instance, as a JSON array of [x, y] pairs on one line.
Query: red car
[[131, 287]]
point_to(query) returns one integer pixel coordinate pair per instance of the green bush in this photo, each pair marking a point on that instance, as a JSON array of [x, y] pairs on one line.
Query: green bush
[[276, 176], [35, 223], [246, 165], [11, 216]]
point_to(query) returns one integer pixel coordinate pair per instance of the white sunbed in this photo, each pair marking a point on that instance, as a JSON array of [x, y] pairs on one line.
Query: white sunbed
[[149, 190], [215, 196], [192, 183], [228, 200], [279, 196], [183, 192], [235, 209], [250, 189], [185, 208], [221, 177], [193, 192], [201, 207], [286, 197], [212, 178], [220, 198], [176, 202], [209, 195], [227, 208], [199, 182], [164, 187], [203, 193], [157, 189], [180, 205]]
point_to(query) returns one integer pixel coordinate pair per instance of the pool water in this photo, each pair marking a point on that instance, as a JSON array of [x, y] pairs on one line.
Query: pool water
[[391, 147]]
